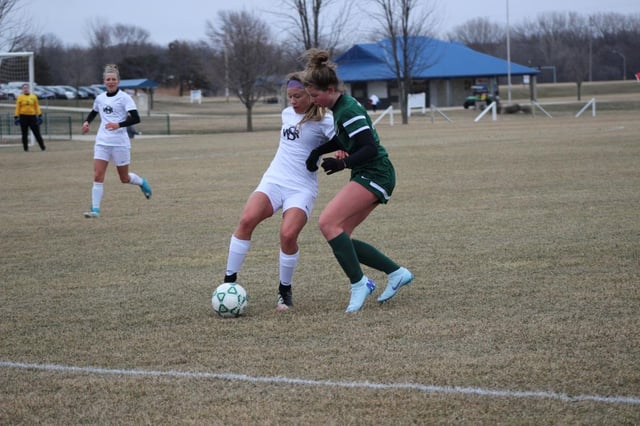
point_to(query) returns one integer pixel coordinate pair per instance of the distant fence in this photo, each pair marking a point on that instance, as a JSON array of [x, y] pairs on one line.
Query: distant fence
[[65, 122], [53, 127]]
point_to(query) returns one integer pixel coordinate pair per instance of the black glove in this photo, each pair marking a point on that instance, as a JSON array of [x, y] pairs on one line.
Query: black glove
[[312, 160], [39, 120], [16, 120], [332, 165]]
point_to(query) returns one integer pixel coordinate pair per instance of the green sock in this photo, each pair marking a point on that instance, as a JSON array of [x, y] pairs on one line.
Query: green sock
[[343, 250], [372, 257]]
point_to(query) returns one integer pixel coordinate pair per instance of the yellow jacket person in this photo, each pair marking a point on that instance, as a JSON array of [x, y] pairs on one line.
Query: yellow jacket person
[[29, 116]]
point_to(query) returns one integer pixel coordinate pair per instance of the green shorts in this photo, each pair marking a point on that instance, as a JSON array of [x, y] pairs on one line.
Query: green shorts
[[379, 179]]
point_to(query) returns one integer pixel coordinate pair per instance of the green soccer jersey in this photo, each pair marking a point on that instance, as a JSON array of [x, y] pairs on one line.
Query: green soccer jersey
[[351, 118]]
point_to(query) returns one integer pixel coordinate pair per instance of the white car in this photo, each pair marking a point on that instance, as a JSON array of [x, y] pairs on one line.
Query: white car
[[13, 89], [61, 92]]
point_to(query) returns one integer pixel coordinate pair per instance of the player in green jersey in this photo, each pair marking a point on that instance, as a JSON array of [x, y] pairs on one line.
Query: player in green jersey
[[372, 182]]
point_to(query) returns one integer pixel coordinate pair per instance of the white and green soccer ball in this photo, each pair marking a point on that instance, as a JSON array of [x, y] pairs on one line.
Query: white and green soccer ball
[[229, 300]]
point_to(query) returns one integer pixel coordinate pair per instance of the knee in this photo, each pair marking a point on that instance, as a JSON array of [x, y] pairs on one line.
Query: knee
[[245, 228], [288, 240], [325, 226]]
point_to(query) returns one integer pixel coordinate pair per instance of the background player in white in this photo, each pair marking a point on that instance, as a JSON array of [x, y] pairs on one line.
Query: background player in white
[[117, 111], [286, 185]]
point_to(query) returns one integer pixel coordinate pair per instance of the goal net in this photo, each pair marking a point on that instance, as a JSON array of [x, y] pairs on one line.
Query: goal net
[[16, 68]]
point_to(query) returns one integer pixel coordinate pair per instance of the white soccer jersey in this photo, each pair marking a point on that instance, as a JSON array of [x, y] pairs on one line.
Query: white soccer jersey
[[288, 168], [113, 109]]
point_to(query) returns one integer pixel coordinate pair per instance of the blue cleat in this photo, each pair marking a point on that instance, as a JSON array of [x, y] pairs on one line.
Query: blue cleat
[[146, 189], [359, 293], [94, 213], [397, 279]]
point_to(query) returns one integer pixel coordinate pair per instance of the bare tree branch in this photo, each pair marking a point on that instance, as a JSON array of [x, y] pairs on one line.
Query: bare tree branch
[[316, 23], [408, 25], [15, 26], [249, 54]]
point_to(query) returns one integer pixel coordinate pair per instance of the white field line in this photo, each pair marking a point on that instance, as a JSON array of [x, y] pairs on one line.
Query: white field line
[[431, 389]]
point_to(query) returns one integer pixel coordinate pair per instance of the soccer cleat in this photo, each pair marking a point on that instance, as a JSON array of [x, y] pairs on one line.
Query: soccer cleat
[[397, 279], [359, 293], [146, 189], [231, 278], [94, 213], [285, 298]]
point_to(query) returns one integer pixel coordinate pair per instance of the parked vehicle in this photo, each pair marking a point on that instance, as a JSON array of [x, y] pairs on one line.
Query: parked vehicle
[[43, 93], [480, 96], [73, 91], [99, 88], [61, 92], [86, 92], [13, 89], [3, 91]]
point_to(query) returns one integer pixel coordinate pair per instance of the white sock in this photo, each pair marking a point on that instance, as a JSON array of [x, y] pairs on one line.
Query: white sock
[[288, 263], [96, 194], [361, 283], [238, 250], [134, 179]]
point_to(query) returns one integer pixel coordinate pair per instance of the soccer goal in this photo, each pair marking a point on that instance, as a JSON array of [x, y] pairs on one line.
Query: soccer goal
[[16, 68]]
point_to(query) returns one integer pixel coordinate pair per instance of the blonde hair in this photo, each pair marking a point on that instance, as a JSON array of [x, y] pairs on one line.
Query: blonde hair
[[111, 69], [320, 71], [315, 112]]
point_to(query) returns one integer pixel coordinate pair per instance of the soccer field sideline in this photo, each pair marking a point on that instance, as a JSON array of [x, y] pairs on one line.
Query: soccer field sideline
[[280, 380]]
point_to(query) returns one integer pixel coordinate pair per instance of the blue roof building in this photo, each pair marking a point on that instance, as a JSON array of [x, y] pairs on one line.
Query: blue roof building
[[444, 70]]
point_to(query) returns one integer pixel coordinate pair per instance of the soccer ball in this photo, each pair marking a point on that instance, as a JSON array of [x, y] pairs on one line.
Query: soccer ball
[[229, 300]]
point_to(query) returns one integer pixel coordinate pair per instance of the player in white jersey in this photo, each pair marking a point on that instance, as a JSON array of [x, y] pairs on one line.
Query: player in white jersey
[[286, 185], [117, 111]]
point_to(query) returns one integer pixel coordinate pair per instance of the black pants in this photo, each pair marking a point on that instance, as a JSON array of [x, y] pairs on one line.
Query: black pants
[[30, 122]]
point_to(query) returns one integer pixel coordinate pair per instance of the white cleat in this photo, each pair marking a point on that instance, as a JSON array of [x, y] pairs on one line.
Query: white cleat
[[359, 293], [396, 280]]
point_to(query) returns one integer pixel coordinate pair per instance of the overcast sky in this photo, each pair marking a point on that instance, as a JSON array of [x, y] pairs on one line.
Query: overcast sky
[[185, 19]]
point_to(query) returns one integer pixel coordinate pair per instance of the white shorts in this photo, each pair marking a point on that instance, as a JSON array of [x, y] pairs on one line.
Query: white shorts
[[120, 155], [285, 198]]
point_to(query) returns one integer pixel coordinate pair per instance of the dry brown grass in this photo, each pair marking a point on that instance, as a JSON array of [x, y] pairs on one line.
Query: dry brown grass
[[523, 235]]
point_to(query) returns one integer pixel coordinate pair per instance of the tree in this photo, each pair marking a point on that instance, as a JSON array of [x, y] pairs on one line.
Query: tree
[[48, 59], [186, 66], [316, 23], [118, 44], [482, 35], [556, 39], [129, 35], [14, 27], [614, 32], [409, 25], [250, 58], [576, 42], [99, 35]]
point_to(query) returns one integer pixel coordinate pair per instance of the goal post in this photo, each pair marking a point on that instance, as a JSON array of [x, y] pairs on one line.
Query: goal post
[[15, 68]]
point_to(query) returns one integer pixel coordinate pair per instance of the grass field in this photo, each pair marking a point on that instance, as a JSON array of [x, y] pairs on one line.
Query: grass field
[[523, 235]]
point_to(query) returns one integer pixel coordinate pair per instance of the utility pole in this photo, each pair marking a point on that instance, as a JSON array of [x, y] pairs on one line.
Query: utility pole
[[508, 59]]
